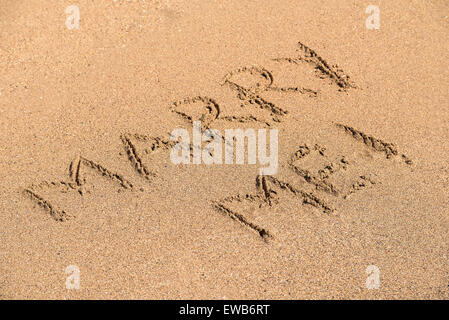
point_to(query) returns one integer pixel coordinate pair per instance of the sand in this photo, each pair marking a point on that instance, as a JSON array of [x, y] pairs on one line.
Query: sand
[[86, 178]]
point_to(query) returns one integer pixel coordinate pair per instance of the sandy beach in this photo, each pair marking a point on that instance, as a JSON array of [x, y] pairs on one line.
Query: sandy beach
[[93, 206]]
